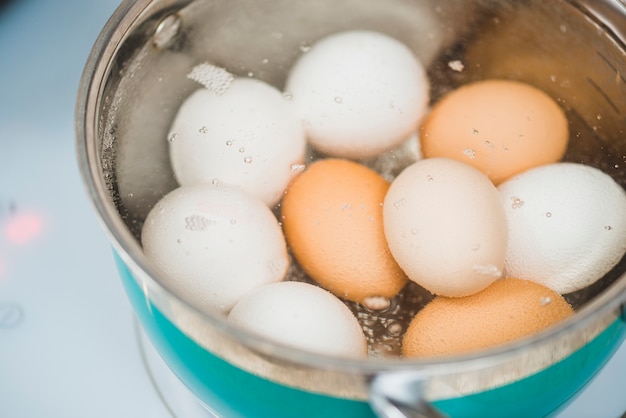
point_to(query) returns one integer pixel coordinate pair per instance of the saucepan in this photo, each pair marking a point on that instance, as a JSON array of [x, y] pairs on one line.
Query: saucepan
[[137, 78]]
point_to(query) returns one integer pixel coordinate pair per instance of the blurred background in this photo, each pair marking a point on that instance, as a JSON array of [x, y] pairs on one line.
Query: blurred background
[[68, 342]]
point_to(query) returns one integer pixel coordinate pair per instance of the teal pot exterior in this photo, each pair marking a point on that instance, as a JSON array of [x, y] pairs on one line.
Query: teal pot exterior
[[229, 391]]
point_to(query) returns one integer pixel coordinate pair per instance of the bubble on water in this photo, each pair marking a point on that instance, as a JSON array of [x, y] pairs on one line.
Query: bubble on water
[[516, 202], [247, 160], [242, 150], [395, 328], [213, 78], [470, 153], [413, 231], [233, 221], [346, 206], [265, 61], [474, 131], [215, 182], [203, 130], [377, 303], [456, 65], [429, 178], [338, 99], [548, 214], [197, 223], [179, 241], [172, 137], [295, 167], [229, 142], [250, 74], [608, 227], [304, 47], [287, 95], [476, 246]]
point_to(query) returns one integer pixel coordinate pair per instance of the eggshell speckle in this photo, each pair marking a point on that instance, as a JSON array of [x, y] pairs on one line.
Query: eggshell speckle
[[301, 315], [245, 136], [332, 218], [358, 93], [501, 127], [446, 227], [214, 245], [567, 225], [507, 310]]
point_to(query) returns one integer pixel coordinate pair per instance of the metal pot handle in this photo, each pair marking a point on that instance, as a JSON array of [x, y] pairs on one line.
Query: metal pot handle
[[401, 395]]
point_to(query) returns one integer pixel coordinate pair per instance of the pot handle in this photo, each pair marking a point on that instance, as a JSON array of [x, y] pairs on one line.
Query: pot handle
[[401, 395]]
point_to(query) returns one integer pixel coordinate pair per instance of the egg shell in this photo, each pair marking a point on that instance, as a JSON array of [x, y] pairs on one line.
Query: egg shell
[[214, 245], [332, 218], [506, 311], [446, 227], [567, 225], [246, 136], [501, 127], [303, 316], [358, 93]]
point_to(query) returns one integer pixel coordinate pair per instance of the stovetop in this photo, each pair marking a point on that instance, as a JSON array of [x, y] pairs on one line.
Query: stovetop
[[68, 342]]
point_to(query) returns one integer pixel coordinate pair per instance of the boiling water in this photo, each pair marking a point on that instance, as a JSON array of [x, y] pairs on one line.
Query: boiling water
[[136, 182]]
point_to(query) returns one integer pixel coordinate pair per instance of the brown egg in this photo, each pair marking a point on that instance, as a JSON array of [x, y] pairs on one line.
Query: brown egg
[[501, 127], [507, 310], [332, 218]]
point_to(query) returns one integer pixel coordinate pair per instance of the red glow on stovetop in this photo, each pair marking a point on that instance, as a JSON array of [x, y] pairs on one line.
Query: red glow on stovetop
[[22, 228]]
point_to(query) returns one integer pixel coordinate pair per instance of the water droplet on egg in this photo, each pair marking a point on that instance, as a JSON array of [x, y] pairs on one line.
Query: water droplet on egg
[[487, 270], [297, 167], [470, 153], [516, 202], [399, 203], [545, 300]]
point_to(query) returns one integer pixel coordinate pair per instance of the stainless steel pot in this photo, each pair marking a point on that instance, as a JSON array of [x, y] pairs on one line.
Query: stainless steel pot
[[135, 80]]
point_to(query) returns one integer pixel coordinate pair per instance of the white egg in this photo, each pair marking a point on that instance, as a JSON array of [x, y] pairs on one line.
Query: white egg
[[303, 316], [358, 93], [246, 136], [445, 227], [567, 225], [214, 245]]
